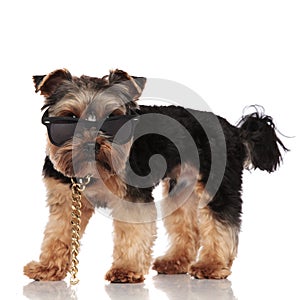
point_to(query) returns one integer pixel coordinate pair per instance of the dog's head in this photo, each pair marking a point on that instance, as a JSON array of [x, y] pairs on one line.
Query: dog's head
[[89, 120]]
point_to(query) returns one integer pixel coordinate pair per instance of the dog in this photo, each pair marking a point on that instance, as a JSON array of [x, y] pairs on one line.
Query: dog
[[203, 228]]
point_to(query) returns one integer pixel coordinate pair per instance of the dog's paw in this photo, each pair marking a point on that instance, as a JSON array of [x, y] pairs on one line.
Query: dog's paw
[[38, 271], [164, 265], [202, 270], [119, 275]]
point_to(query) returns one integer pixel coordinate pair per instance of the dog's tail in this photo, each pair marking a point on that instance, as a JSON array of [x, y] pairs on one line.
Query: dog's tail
[[261, 142]]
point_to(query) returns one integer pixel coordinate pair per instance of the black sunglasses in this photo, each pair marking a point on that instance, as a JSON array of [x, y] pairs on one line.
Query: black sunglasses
[[119, 129]]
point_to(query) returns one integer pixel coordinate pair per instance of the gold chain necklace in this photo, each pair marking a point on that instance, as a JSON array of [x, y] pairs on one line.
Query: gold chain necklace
[[77, 189]]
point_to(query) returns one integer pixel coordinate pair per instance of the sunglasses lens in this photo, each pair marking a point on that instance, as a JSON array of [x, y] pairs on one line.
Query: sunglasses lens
[[119, 128], [59, 133], [124, 134], [62, 129]]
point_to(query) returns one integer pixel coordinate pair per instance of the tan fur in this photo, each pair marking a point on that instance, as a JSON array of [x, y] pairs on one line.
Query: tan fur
[[182, 226], [102, 102], [193, 225], [219, 247], [81, 102], [72, 154], [54, 260], [133, 242]]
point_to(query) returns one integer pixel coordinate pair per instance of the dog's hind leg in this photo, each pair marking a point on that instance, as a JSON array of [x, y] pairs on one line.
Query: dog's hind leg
[[219, 243], [183, 233], [182, 226]]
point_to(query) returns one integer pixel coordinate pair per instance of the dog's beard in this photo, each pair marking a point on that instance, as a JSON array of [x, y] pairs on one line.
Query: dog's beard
[[73, 159]]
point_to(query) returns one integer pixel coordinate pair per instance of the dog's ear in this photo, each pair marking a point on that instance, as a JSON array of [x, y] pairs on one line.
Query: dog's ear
[[47, 84], [133, 84]]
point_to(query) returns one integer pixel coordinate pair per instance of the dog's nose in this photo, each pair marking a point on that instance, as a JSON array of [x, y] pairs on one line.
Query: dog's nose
[[92, 147]]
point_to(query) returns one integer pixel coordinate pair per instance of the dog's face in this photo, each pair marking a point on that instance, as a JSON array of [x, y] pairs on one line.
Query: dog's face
[[88, 102]]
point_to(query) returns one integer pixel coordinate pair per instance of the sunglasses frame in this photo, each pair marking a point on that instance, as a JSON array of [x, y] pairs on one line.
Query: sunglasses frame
[[47, 121]]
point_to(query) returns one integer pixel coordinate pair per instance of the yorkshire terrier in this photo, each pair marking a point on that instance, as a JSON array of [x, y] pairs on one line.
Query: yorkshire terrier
[[95, 127]]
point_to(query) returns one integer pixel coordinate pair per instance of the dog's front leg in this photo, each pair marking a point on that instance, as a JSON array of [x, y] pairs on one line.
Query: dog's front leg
[[132, 251], [54, 260]]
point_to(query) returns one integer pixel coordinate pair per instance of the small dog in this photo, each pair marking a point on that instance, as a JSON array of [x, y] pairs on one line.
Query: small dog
[[208, 220]]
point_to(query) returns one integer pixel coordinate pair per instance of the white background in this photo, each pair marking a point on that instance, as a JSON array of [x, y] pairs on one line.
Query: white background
[[232, 53]]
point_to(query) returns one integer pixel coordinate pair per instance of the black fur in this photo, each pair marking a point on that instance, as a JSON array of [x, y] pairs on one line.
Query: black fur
[[227, 202], [37, 79], [49, 171], [258, 133]]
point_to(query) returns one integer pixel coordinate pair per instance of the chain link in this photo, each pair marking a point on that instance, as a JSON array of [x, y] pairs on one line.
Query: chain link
[[77, 188]]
